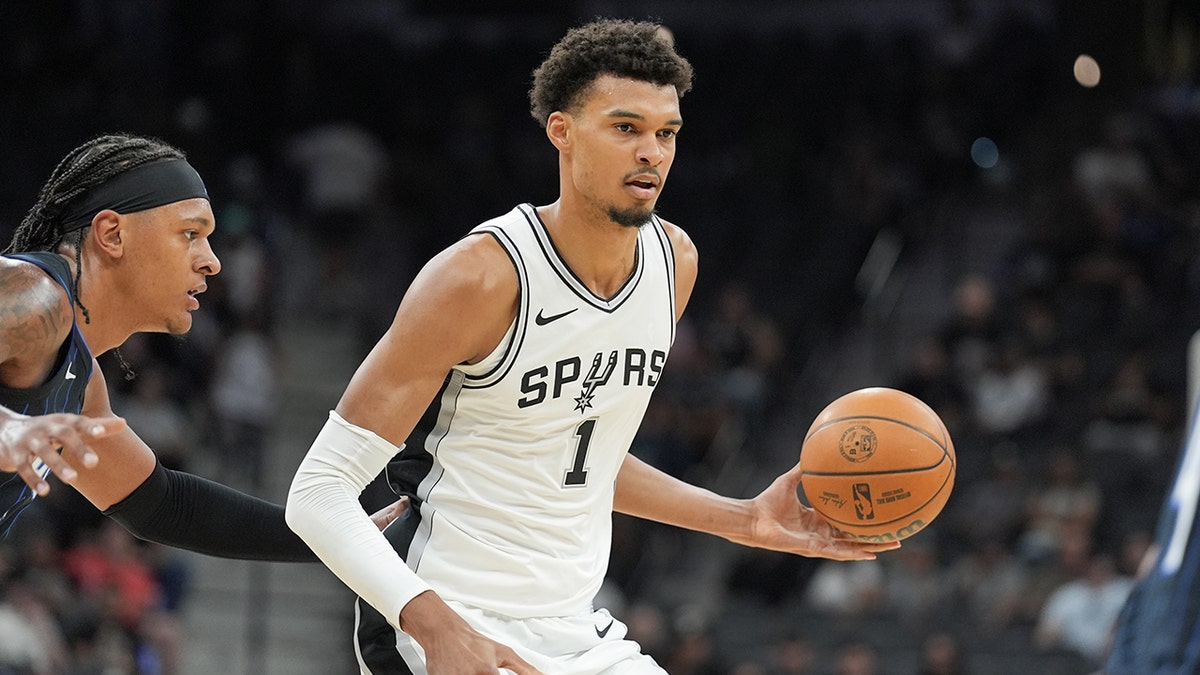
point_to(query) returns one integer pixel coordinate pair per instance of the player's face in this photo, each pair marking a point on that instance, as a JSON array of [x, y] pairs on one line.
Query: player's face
[[170, 258], [624, 146]]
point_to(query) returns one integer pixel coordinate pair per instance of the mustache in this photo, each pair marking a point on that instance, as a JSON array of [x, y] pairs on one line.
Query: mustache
[[648, 171]]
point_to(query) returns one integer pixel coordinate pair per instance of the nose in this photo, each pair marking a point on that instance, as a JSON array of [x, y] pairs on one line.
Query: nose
[[650, 153], [208, 263]]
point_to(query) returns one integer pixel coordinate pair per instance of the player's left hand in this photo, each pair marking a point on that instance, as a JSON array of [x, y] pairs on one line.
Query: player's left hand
[[61, 441], [384, 517], [783, 523]]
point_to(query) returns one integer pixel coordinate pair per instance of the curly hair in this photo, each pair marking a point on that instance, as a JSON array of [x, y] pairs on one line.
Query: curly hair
[[617, 47]]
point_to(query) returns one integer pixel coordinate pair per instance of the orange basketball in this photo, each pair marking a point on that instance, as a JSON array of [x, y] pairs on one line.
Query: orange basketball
[[878, 464]]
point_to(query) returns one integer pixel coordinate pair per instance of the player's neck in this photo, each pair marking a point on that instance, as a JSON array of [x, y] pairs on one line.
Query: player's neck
[[600, 252], [105, 326]]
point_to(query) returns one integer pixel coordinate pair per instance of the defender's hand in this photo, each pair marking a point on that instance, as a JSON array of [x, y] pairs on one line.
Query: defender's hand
[[24, 440], [385, 516]]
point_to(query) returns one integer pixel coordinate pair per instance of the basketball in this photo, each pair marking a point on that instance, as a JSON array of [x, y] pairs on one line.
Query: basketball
[[878, 464]]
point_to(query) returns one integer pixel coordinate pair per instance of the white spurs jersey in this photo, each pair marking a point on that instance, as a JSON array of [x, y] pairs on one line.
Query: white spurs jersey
[[515, 459]]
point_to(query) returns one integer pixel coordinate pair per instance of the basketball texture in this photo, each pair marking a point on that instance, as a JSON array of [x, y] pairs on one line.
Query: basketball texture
[[878, 464]]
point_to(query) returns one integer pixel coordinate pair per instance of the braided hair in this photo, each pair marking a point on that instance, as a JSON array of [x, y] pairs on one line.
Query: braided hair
[[85, 167]]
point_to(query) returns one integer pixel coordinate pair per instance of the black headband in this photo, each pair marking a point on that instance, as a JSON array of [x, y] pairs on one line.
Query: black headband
[[140, 188]]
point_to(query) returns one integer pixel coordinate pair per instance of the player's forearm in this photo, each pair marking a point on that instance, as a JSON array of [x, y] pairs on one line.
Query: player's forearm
[[185, 511], [323, 509], [645, 492]]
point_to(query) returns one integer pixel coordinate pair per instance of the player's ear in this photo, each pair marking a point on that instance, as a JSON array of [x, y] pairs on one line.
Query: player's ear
[[558, 129], [106, 232]]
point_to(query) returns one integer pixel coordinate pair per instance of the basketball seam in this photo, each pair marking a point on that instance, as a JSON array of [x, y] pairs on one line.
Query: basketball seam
[[897, 519], [919, 430], [877, 473]]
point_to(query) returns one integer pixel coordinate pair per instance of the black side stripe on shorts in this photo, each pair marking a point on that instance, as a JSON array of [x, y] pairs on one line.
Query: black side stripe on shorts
[[376, 637]]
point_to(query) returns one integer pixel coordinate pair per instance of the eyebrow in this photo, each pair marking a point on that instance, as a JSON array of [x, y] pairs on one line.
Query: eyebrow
[[632, 115], [200, 220]]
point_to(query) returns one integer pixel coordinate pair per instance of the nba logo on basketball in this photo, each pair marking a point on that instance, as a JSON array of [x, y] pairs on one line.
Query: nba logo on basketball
[[863, 507]]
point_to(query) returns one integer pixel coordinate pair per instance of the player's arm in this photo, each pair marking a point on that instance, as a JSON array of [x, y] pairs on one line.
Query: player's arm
[[35, 320], [456, 311], [175, 508], [774, 520]]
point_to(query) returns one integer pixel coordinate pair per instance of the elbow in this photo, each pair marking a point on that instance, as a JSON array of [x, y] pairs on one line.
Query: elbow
[[298, 513]]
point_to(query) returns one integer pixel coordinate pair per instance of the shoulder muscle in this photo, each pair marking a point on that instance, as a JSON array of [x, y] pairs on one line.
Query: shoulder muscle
[[687, 260], [35, 318]]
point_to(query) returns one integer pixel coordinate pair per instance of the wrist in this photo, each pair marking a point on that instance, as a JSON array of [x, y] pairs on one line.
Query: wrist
[[427, 615]]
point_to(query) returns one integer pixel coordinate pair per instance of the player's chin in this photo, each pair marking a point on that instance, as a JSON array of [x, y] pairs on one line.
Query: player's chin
[[180, 324]]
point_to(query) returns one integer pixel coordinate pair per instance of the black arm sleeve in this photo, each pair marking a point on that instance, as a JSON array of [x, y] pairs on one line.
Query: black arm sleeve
[[185, 511]]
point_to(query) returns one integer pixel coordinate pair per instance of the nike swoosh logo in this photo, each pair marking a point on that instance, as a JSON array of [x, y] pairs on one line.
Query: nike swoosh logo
[[543, 320], [69, 375], [601, 633]]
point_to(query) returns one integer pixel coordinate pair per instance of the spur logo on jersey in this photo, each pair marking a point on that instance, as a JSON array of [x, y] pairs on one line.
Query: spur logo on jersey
[[595, 378], [629, 367]]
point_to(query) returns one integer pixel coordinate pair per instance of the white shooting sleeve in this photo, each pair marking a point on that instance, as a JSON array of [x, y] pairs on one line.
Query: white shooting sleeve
[[323, 509]]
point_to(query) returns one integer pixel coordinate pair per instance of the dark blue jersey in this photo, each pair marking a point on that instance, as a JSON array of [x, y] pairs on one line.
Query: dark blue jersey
[[1158, 633], [62, 392]]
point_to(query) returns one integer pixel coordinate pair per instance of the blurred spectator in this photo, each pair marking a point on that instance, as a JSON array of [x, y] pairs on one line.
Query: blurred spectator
[[245, 278], [1080, 615], [1125, 442], [744, 345], [988, 586], [856, 658], [972, 332], [931, 379], [793, 655], [942, 654], [340, 172], [159, 419], [748, 668], [915, 584], [1010, 393], [244, 400], [694, 651], [846, 589], [1065, 500], [110, 573], [991, 508], [649, 627], [1071, 557], [31, 642]]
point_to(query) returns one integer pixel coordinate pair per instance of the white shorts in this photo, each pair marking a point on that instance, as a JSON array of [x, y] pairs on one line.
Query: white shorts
[[592, 644]]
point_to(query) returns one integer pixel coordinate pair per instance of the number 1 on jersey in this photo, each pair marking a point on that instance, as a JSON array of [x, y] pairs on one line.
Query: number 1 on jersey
[[577, 475]]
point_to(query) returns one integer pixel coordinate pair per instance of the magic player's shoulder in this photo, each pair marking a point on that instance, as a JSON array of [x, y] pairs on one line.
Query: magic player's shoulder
[[35, 318]]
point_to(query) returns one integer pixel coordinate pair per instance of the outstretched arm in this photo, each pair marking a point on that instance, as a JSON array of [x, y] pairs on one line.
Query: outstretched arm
[[180, 509], [774, 520]]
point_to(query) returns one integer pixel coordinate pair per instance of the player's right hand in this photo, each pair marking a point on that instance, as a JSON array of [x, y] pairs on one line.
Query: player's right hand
[[25, 439], [452, 646]]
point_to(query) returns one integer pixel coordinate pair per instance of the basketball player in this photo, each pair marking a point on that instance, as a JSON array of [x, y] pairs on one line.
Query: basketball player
[[117, 243], [517, 370], [1158, 631]]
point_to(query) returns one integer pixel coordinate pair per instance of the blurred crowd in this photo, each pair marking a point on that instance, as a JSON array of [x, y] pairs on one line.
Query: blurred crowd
[[1043, 302]]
